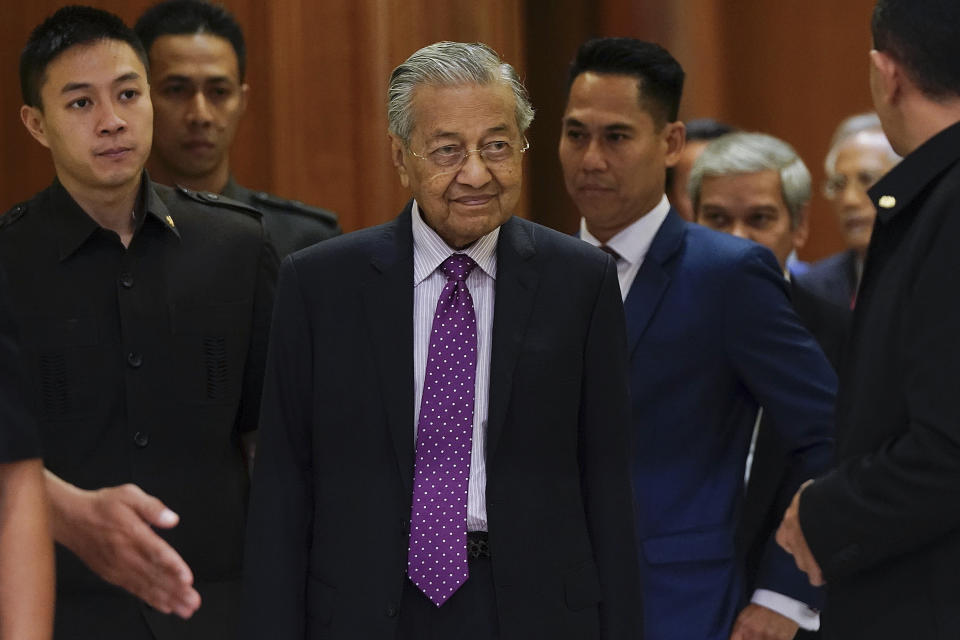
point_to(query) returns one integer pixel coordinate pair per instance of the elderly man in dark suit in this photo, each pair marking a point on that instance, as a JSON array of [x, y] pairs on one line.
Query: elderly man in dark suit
[[26, 549], [445, 429], [883, 529]]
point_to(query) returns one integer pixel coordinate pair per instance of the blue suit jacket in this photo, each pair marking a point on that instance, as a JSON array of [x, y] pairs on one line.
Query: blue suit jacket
[[712, 335]]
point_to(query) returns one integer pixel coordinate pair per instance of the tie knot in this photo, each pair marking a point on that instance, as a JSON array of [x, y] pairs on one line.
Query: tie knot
[[458, 266], [613, 252]]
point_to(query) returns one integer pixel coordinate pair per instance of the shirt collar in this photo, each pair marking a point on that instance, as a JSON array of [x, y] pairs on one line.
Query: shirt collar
[[633, 242], [913, 174], [430, 250], [74, 226], [155, 207]]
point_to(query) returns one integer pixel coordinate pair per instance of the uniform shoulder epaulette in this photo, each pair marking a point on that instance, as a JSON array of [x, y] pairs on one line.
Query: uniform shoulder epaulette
[[276, 202], [13, 215], [218, 200]]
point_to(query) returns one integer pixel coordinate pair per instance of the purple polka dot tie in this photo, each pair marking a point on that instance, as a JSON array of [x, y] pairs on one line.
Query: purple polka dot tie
[[437, 560]]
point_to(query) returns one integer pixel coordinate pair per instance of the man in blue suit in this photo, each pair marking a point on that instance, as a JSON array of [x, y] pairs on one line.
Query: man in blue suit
[[711, 336]]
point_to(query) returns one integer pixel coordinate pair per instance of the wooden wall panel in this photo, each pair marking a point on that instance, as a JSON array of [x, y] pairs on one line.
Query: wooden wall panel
[[315, 128], [808, 70], [332, 147], [792, 69]]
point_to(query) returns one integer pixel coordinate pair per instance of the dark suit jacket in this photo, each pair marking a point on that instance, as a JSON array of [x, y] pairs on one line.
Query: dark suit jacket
[[711, 335], [770, 489], [884, 526], [328, 529], [834, 278]]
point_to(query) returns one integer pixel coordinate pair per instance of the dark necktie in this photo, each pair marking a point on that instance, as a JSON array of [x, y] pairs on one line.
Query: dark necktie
[[613, 252], [437, 559]]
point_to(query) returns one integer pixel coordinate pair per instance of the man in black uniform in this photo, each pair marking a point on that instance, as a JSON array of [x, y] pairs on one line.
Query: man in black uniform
[[197, 64], [26, 551], [883, 529], [144, 314]]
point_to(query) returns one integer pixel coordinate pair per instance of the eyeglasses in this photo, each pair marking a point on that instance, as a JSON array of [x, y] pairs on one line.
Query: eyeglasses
[[451, 157], [837, 184]]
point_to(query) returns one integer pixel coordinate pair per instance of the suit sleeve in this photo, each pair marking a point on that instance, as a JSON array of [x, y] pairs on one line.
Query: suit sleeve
[[279, 524], [604, 460], [902, 495], [18, 436], [786, 371]]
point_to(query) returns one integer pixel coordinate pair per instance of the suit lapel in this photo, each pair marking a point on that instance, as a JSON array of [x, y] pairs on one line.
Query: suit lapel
[[652, 278], [388, 304], [516, 287]]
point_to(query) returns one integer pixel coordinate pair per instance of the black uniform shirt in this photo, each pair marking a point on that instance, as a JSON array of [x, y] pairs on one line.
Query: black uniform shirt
[[18, 437], [290, 225], [146, 362]]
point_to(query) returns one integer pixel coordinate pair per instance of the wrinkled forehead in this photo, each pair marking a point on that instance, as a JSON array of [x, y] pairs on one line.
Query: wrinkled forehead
[[463, 110]]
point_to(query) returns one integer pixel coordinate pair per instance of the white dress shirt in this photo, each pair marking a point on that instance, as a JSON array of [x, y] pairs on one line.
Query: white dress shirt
[[429, 251], [633, 243]]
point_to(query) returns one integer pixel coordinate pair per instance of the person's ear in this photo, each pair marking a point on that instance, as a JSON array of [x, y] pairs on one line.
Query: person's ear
[[675, 136], [396, 154], [244, 97], [33, 120], [886, 77], [802, 231]]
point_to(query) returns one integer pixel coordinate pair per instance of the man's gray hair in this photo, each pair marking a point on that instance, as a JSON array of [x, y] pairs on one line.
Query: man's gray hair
[[851, 127], [740, 152], [448, 64]]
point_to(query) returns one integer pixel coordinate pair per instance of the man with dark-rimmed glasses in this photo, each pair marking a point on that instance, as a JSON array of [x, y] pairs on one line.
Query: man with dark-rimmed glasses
[[444, 435]]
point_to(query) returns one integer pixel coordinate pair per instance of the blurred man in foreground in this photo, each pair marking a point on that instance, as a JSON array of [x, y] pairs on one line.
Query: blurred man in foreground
[[26, 550], [883, 529]]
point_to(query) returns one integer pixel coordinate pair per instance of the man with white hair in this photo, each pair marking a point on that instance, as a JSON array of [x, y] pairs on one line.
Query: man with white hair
[[756, 187], [859, 155], [467, 481]]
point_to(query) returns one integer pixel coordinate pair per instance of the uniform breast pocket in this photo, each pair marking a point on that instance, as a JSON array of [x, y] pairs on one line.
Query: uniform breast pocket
[[65, 360], [209, 350]]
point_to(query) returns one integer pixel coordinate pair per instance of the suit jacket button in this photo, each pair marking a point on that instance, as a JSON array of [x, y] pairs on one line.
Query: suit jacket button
[[134, 359], [391, 611], [141, 439]]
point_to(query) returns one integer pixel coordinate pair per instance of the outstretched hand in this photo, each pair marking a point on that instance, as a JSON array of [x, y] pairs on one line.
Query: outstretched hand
[[110, 530]]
